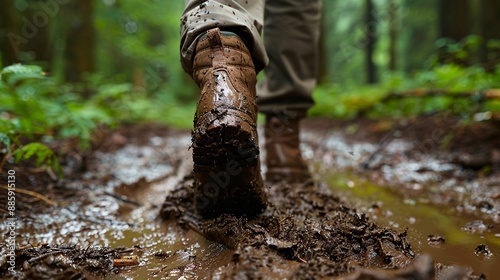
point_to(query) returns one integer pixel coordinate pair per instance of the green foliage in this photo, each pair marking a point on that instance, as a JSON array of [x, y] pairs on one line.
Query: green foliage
[[42, 153], [35, 110], [347, 101], [15, 73], [457, 78], [29, 108], [462, 50], [35, 105], [140, 40], [336, 101], [118, 103]]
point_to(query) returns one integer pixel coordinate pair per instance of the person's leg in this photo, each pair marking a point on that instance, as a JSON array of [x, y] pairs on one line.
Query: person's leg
[[291, 37], [219, 46], [243, 17]]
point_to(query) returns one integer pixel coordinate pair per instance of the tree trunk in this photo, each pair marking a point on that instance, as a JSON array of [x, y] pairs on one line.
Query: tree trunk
[[454, 19], [323, 56], [371, 37], [489, 12], [454, 23], [8, 26], [25, 35], [79, 52], [417, 36], [393, 34]]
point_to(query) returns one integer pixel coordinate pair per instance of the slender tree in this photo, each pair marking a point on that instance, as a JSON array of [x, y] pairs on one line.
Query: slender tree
[[24, 34], [454, 19], [8, 26], [323, 56], [393, 34], [489, 14], [371, 37], [454, 22], [79, 52], [417, 35]]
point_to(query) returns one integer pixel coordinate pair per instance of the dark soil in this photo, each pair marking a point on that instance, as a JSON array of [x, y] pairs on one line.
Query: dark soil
[[307, 232], [66, 262], [303, 223]]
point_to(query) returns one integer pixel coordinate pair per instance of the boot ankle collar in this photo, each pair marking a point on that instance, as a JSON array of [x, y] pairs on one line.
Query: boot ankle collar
[[223, 33]]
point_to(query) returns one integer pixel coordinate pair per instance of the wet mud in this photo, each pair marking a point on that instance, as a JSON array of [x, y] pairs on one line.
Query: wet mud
[[304, 223], [382, 205]]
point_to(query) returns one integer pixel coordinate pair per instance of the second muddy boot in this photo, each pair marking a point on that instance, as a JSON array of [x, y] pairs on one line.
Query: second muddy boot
[[284, 160], [224, 139]]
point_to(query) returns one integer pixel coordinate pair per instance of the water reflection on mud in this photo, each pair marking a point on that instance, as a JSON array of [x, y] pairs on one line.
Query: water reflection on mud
[[120, 201], [421, 193]]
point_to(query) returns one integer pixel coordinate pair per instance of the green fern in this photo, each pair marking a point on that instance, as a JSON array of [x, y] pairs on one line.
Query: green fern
[[15, 73], [43, 154]]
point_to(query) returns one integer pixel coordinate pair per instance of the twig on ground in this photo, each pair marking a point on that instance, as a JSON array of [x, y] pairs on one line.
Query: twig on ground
[[123, 198], [32, 260], [126, 261], [32, 193]]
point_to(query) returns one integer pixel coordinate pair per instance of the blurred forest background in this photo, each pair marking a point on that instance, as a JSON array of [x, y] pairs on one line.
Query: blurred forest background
[[104, 62]]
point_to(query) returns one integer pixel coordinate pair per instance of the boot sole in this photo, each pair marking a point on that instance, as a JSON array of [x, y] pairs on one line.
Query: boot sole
[[226, 162], [227, 138]]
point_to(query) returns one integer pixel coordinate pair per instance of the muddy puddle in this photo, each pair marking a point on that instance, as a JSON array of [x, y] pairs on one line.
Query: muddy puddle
[[424, 194], [117, 205], [449, 238]]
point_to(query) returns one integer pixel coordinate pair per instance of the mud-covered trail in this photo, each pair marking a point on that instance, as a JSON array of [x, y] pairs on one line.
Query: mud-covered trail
[[411, 199]]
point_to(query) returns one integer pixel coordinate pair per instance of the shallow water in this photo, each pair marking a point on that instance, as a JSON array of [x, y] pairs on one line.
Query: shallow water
[[125, 194], [422, 198], [391, 209]]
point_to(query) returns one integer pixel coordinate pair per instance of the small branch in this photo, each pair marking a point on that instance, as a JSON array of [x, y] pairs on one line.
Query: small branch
[[34, 259], [32, 193], [126, 261], [301, 260], [123, 198]]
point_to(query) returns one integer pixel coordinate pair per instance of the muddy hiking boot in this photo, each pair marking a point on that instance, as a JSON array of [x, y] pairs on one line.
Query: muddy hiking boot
[[284, 161], [224, 139]]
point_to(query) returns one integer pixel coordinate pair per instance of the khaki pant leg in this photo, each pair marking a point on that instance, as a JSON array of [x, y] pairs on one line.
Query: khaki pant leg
[[291, 36], [244, 17]]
